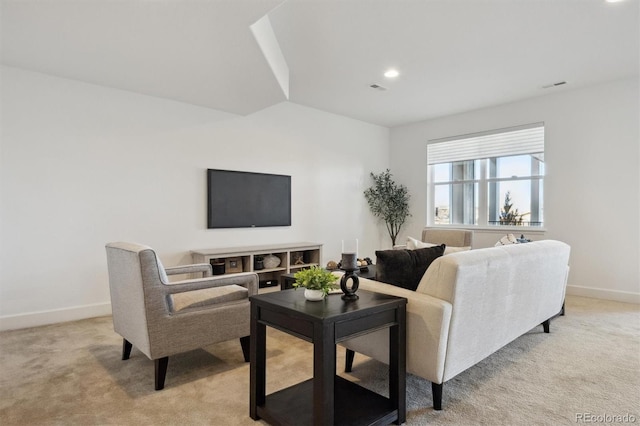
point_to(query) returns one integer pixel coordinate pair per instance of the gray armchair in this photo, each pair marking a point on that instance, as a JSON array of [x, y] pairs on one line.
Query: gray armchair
[[163, 318], [450, 237]]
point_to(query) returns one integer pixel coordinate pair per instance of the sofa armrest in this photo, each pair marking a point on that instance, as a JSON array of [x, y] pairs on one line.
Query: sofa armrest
[[428, 321]]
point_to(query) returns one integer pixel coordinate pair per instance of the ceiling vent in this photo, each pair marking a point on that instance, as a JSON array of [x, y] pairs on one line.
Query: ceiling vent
[[377, 87], [548, 86]]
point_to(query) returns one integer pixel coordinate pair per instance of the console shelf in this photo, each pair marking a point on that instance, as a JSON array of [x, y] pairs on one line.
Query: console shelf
[[293, 257]]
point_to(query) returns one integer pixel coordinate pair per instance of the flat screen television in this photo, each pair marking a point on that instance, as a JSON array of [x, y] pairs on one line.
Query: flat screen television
[[247, 200]]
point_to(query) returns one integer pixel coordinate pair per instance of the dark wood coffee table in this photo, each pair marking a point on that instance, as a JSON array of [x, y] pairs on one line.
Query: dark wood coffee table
[[328, 399]]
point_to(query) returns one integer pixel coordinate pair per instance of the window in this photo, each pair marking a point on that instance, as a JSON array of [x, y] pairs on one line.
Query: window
[[487, 179]]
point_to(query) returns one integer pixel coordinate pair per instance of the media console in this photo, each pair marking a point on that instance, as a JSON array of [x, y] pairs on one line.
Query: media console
[[293, 257]]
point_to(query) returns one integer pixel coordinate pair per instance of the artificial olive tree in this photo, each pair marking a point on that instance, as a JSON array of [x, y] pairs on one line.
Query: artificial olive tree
[[388, 201]]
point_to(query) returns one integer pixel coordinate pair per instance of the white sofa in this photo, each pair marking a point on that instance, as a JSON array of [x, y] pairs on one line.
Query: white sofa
[[470, 304]]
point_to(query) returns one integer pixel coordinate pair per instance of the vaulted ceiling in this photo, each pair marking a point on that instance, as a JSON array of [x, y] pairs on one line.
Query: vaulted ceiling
[[452, 55]]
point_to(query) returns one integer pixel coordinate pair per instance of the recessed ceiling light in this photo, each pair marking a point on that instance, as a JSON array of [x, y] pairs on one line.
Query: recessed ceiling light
[[613, 1], [391, 74]]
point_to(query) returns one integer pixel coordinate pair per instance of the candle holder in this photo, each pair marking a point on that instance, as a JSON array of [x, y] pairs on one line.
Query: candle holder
[[349, 266], [349, 292]]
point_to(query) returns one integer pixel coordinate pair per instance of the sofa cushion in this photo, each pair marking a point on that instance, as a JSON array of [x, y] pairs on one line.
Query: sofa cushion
[[413, 244], [405, 268], [506, 240]]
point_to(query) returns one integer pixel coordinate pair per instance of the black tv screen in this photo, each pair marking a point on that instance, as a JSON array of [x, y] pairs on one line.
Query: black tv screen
[[246, 200]]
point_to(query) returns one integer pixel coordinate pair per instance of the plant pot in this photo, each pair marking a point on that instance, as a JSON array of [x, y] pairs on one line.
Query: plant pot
[[313, 295]]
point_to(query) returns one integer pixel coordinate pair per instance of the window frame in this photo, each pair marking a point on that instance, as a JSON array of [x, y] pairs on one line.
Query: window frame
[[483, 183]]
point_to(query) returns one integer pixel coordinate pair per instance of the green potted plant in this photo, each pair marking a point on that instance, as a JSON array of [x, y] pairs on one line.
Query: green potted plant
[[388, 201], [316, 281]]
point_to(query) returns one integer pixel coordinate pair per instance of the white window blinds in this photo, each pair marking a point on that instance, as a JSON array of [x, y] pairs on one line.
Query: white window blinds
[[527, 139]]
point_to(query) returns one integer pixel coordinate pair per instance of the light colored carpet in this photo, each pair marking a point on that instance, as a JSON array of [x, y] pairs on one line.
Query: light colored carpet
[[71, 374]]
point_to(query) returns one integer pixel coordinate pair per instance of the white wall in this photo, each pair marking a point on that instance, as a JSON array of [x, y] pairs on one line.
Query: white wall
[[592, 191], [83, 165]]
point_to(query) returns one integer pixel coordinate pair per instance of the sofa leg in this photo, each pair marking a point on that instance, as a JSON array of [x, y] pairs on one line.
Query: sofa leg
[[562, 310], [244, 342], [126, 349], [436, 389], [348, 361], [545, 325], [161, 371]]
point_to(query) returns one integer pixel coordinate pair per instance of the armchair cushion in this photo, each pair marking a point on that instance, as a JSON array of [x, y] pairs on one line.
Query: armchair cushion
[[179, 302], [405, 268]]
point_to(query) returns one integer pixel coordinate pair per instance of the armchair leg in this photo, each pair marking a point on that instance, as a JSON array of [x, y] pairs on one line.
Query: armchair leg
[[436, 389], [244, 342], [348, 361], [545, 325], [126, 349], [161, 371]]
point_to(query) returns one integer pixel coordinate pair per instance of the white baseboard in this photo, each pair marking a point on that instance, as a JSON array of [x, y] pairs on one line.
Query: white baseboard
[[604, 293], [35, 319]]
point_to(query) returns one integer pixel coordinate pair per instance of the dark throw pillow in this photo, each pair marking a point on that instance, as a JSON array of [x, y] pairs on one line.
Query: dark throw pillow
[[405, 268]]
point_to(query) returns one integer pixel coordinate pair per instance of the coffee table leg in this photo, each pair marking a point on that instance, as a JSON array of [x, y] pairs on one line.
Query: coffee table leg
[[257, 382], [324, 373], [397, 366]]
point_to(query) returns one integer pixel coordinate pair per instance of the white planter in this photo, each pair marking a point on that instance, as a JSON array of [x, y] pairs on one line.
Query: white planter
[[313, 295]]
